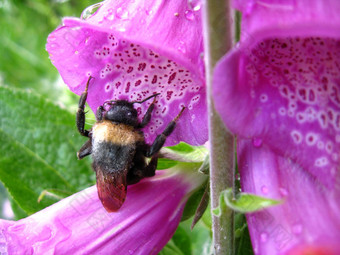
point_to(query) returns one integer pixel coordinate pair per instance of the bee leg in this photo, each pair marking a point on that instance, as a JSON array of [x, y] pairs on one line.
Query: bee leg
[[147, 116], [160, 139], [85, 150], [80, 120], [140, 169], [150, 169]]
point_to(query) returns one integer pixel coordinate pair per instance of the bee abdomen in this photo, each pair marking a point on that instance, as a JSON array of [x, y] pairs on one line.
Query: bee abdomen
[[112, 157]]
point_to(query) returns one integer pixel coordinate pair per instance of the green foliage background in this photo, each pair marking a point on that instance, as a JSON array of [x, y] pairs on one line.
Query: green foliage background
[[38, 137]]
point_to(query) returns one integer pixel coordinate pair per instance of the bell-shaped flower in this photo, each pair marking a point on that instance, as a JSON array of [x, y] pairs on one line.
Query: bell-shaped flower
[[278, 90], [133, 49], [79, 224]]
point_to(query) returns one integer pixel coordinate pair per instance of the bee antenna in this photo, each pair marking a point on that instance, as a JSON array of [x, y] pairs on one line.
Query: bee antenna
[[146, 99]]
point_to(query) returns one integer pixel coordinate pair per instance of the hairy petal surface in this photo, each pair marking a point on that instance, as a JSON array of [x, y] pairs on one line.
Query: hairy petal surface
[[279, 91], [298, 225], [135, 49], [285, 93], [80, 225]]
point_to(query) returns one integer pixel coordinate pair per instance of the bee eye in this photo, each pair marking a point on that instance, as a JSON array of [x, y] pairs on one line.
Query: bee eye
[[129, 113]]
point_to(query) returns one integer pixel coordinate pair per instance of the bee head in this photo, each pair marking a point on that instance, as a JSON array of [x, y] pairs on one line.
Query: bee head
[[122, 112]]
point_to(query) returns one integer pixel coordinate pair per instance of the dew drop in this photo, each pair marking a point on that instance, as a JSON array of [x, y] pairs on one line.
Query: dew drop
[[147, 12], [283, 192], [122, 13], [89, 11], [194, 4], [264, 189], [189, 15], [257, 142], [297, 229], [197, 8], [53, 45], [122, 29], [110, 15], [264, 237], [182, 47]]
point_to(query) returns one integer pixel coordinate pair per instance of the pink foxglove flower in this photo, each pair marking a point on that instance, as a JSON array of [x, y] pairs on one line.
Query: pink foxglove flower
[[136, 48], [279, 91], [79, 224]]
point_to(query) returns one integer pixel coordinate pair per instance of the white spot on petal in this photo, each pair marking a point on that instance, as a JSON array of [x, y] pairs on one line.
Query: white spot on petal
[[282, 111], [311, 138], [321, 162], [329, 147], [300, 117], [296, 136], [320, 145], [263, 98], [337, 138], [335, 157]]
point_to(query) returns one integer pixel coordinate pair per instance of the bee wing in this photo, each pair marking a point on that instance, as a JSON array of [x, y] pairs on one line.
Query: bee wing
[[111, 188]]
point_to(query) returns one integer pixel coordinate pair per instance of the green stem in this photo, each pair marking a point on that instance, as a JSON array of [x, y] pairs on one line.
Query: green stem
[[218, 40]]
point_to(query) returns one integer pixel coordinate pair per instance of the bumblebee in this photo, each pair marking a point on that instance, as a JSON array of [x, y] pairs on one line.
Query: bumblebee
[[118, 147]]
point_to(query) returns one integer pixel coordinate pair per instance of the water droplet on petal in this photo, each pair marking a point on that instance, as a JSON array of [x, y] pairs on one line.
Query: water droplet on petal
[[53, 45], [109, 15], [122, 29], [89, 11], [122, 13], [264, 189], [257, 142], [264, 237], [283, 192], [297, 229], [194, 4], [148, 12], [182, 47], [197, 7], [189, 15]]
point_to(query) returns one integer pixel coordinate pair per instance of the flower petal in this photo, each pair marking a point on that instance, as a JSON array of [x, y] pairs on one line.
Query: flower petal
[[284, 90], [265, 18], [80, 225], [309, 215], [135, 49], [279, 91]]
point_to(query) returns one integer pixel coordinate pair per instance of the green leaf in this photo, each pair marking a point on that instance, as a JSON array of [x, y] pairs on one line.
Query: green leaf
[[18, 212], [164, 163], [221, 206], [24, 60], [189, 242], [242, 239], [182, 240], [182, 147], [185, 153], [38, 141], [171, 249], [55, 193], [192, 203], [246, 203]]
